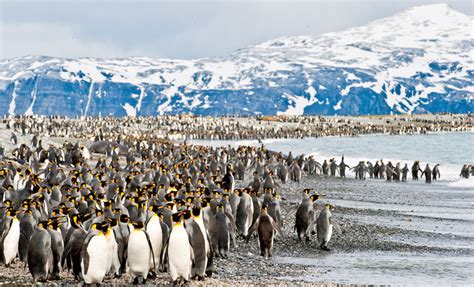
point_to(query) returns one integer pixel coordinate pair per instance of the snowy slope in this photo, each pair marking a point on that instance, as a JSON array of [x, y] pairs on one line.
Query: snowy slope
[[417, 61]]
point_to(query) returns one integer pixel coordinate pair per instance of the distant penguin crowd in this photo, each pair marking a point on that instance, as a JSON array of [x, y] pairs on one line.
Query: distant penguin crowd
[[187, 127]]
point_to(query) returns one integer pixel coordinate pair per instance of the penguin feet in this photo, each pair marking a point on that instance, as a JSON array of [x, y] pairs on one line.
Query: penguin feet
[[54, 277], [325, 248], [151, 275], [139, 281], [200, 278]]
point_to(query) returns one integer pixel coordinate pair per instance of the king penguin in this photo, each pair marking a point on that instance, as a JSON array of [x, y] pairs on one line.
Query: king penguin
[[10, 236], [324, 226], [140, 253], [153, 228], [93, 259], [179, 250], [40, 254]]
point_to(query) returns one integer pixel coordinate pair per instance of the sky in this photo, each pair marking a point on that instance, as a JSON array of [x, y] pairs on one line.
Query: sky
[[177, 29]]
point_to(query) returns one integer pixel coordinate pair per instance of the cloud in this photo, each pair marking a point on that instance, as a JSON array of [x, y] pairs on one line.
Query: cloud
[[53, 39], [176, 29]]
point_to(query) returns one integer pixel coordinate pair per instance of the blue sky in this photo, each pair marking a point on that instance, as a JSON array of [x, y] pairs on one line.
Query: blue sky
[[176, 29]]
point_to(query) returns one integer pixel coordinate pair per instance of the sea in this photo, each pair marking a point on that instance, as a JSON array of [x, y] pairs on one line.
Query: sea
[[437, 218]]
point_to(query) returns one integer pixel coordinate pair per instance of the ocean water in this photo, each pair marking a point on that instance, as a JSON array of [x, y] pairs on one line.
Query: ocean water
[[436, 219], [450, 150]]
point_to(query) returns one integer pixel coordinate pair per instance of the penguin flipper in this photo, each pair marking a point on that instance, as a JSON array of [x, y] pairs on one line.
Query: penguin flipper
[[84, 253], [151, 248], [276, 227], [232, 221], [252, 229], [164, 256], [335, 225]]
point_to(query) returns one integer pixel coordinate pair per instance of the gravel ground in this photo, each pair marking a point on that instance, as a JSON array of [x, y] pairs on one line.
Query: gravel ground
[[377, 219], [246, 267]]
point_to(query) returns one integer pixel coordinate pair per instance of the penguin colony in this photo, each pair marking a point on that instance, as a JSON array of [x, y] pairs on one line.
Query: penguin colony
[[140, 205], [158, 207], [231, 128]]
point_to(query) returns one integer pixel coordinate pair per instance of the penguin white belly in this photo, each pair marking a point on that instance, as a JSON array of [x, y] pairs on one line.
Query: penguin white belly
[[328, 234], [10, 244], [249, 219], [113, 260], [179, 254], [155, 233], [97, 260], [139, 254]]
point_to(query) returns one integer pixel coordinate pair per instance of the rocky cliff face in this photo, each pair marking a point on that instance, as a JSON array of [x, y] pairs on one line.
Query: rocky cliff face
[[418, 61]]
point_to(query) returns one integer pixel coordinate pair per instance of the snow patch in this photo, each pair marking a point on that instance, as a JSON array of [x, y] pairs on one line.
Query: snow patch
[[130, 110]]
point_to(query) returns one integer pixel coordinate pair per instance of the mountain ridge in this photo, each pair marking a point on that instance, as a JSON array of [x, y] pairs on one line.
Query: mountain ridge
[[371, 69]]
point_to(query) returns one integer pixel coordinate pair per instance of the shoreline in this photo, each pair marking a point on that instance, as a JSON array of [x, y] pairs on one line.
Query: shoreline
[[420, 226], [301, 263]]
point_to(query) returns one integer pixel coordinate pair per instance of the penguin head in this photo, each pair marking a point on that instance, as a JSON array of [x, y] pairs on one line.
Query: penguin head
[[220, 207], [170, 205], [307, 190], [112, 221], [176, 217], [205, 202], [187, 214], [104, 226], [189, 199], [330, 206], [196, 210], [11, 212], [96, 226], [179, 202], [54, 224], [138, 224], [153, 208], [98, 212], [264, 208], [124, 218], [75, 220], [43, 224], [55, 212], [315, 197], [7, 203]]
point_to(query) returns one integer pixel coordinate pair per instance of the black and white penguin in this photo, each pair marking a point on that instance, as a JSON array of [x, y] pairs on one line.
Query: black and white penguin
[[324, 227], [40, 254], [244, 213], [153, 227], [140, 253], [94, 254], [10, 227], [305, 216], [57, 246], [179, 250], [266, 227]]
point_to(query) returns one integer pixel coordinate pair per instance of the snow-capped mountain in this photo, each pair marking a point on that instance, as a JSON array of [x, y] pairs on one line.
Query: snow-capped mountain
[[417, 61]]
